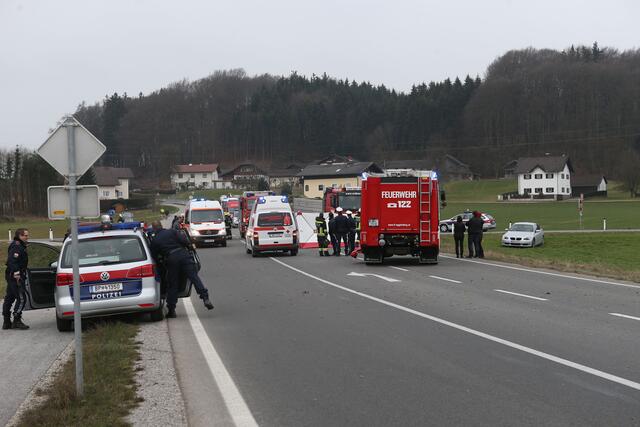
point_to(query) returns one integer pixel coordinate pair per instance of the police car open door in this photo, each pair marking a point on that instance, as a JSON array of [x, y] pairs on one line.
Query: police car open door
[[41, 277]]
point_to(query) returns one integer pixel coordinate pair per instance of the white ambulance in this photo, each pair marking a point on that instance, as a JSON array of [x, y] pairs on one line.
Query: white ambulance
[[204, 221], [272, 227]]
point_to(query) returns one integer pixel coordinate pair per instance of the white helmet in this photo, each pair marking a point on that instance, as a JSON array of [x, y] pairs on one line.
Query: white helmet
[[339, 209], [349, 213]]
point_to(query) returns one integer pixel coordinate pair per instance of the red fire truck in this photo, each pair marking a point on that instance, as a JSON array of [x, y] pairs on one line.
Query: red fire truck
[[247, 201], [399, 216], [346, 198]]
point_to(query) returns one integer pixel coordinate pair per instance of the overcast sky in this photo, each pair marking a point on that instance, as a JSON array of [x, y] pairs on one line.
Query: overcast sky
[[55, 54]]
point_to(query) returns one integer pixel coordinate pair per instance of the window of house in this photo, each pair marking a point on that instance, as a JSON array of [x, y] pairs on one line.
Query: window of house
[[321, 187], [334, 185], [538, 190], [193, 175], [549, 176], [306, 187], [179, 175], [567, 175], [527, 176], [538, 176], [105, 193], [549, 190], [527, 191], [204, 175]]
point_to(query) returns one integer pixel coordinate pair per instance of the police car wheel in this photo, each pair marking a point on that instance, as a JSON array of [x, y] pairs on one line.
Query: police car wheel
[[157, 315], [444, 228], [64, 325]]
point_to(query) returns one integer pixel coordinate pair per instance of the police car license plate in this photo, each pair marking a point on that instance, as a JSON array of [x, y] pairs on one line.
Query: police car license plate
[[209, 240], [107, 287], [278, 234]]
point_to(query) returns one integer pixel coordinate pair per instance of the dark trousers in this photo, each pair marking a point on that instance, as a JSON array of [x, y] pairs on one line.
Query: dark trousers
[[459, 241], [323, 245], [352, 241], [15, 294], [334, 243], [342, 237], [180, 265], [475, 245]]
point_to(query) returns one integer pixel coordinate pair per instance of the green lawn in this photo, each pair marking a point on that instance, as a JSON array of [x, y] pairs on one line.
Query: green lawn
[[556, 215], [483, 190], [604, 254]]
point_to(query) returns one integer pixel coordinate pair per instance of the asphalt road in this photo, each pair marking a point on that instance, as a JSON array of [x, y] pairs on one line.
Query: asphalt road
[[300, 341]]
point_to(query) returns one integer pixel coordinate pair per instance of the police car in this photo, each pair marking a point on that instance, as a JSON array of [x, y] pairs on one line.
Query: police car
[[117, 276], [204, 220], [272, 227]]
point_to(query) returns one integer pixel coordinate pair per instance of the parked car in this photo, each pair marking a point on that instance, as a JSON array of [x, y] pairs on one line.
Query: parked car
[[117, 275], [523, 234], [446, 225]]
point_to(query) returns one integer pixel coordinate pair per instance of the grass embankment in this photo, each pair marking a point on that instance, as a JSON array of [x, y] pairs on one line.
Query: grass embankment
[[210, 194], [612, 255], [556, 215], [110, 353]]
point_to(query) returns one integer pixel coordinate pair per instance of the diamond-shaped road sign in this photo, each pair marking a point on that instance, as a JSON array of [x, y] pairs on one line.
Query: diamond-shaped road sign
[[55, 149]]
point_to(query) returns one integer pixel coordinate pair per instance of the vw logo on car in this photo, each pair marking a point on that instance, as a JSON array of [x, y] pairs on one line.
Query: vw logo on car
[[105, 276]]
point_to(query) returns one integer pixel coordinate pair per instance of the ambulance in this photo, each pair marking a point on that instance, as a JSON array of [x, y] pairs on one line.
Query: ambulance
[[272, 227], [204, 221]]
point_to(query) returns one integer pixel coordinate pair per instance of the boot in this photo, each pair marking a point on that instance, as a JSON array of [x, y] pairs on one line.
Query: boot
[[208, 304], [171, 313], [17, 323], [7, 322]]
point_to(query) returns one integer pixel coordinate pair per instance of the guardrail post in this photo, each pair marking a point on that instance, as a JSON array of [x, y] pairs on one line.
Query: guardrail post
[[604, 224], [50, 233], [10, 235]]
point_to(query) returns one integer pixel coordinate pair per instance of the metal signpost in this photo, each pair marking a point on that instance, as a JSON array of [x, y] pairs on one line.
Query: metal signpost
[[72, 150], [581, 207]]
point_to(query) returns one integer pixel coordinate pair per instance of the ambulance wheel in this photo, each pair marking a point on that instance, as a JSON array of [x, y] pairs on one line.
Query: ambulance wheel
[[157, 315], [64, 325], [294, 252]]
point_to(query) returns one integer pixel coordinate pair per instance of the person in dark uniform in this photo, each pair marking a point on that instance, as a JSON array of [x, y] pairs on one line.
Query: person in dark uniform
[[227, 225], [342, 226], [321, 232], [332, 234], [357, 220], [458, 236], [177, 225], [351, 236], [173, 246], [15, 275], [475, 229]]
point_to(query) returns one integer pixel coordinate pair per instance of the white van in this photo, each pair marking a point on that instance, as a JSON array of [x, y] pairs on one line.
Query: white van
[[272, 227], [204, 221]]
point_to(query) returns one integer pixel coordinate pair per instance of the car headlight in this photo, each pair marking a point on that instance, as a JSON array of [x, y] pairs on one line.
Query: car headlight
[[526, 238], [195, 233]]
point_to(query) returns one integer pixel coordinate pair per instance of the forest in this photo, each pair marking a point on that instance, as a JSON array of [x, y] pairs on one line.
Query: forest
[[583, 101]]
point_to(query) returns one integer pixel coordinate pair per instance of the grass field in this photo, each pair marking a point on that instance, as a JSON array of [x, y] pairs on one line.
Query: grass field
[[207, 194], [110, 390], [604, 254]]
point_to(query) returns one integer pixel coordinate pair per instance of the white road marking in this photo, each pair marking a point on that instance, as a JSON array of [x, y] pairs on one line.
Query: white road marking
[[445, 279], [626, 316], [520, 295], [233, 400], [510, 267], [538, 353], [398, 268], [379, 276]]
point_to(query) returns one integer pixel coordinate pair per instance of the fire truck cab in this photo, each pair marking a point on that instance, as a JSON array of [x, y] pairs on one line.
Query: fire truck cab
[[247, 201], [399, 216], [204, 221], [348, 198]]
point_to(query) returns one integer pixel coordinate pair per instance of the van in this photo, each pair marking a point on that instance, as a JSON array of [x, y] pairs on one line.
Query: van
[[272, 227], [204, 221]]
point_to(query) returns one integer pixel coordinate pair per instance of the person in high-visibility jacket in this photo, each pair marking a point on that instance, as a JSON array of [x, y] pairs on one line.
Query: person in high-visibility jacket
[[357, 219], [322, 232]]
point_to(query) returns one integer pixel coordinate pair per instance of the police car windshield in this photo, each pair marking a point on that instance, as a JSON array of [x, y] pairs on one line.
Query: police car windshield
[[105, 251], [206, 215], [521, 227], [351, 203], [273, 219]]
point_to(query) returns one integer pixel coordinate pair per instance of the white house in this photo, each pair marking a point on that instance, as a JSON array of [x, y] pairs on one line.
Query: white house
[[548, 176], [198, 176], [113, 183]]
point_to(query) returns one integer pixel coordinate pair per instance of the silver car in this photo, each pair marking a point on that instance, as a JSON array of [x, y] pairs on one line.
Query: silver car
[[523, 234], [117, 275]]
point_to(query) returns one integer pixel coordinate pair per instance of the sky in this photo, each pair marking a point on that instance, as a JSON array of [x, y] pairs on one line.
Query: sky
[[54, 54]]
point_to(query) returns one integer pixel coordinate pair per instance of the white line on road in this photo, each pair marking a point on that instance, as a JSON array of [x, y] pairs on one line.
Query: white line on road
[[233, 400], [586, 279], [626, 316], [521, 295], [379, 276], [547, 356], [445, 279], [398, 268]]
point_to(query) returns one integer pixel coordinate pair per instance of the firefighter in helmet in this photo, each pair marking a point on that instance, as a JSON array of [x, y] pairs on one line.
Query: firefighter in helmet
[[322, 232]]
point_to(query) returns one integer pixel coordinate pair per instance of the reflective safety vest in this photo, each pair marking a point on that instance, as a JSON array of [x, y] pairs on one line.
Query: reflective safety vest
[[321, 226], [357, 223]]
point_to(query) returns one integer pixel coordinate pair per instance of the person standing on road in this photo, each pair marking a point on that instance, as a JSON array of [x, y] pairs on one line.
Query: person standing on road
[[358, 219], [173, 246], [475, 228], [458, 236], [351, 237], [342, 226], [177, 225], [332, 234], [16, 275], [321, 232]]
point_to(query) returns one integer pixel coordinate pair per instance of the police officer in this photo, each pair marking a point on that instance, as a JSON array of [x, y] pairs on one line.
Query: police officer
[[173, 246], [351, 237], [321, 232], [332, 234], [342, 225], [475, 228], [458, 236], [357, 219], [227, 225], [15, 275]]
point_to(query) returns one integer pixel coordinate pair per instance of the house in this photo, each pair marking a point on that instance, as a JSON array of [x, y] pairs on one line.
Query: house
[[589, 185], [198, 176], [245, 175], [287, 175], [316, 178], [334, 158], [548, 176], [448, 168], [113, 183], [509, 169]]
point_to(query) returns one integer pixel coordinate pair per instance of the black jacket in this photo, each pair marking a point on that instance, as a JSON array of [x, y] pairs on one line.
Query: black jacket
[[167, 241], [459, 228], [474, 225], [342, 225], [17, 259]]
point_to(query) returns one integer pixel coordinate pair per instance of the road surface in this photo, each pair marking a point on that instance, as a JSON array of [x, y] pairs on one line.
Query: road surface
[[319, 341]]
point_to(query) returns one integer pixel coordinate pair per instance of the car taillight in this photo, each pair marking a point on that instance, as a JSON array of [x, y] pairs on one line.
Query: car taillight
[[64, 279], [146, 270], [487, 221]]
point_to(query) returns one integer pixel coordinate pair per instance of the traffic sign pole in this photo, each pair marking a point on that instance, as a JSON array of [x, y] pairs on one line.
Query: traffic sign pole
[[71, 125]]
